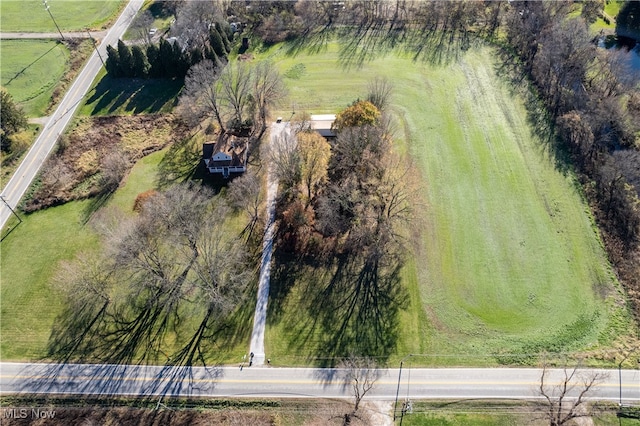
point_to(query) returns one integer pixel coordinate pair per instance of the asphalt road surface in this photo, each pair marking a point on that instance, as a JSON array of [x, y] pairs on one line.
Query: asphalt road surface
[[264, 382], [28, 169]]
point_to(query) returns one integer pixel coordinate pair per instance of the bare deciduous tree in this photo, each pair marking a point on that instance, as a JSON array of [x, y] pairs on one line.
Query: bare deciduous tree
[[235, 82], [142, 26], [268, 90], [564, 395], [380, 90], [202, 96], [361, 374], [285, 161], [176, 256], [193, 19], [245, 195]]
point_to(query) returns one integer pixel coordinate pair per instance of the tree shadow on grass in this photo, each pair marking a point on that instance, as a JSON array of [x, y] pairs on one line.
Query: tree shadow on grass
[[134, 95], [348, 307], [182, 162], [540, 121], [115, 341]]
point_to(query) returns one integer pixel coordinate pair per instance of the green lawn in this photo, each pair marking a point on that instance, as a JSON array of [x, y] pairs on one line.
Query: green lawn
[[489, 413], [70, 15], [31, 255], [508, 260], [30, 71]]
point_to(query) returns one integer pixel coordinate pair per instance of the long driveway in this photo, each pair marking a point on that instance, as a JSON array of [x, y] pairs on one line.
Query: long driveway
[[419, 383], [256, 347], [28, 169]]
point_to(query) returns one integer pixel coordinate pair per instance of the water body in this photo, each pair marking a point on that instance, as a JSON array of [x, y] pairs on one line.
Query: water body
[[630, 45]]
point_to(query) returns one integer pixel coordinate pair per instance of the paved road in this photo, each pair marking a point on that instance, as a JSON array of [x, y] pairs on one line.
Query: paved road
[[449, 383], [278, 131], [28, 169]]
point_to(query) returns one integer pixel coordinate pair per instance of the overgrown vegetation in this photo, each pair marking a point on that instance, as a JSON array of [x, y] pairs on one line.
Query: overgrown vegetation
[[92, 159]]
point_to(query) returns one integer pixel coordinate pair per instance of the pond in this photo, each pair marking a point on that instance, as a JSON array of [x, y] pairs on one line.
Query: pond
[[630, 45]]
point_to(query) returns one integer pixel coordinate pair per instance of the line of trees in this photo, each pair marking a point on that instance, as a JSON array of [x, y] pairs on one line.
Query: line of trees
[[238, 97], [167, 59]]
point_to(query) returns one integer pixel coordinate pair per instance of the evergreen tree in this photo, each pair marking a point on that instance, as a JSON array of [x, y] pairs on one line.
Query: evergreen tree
[[209, 53], [140, 62], [126, 59], [224, 35], [113, 62], [177, 59], [165, 58], [216, 42], [196, 56], [153, 57]]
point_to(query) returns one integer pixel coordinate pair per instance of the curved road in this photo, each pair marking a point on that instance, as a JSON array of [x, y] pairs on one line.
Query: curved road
[[28, 169], [418, 383]]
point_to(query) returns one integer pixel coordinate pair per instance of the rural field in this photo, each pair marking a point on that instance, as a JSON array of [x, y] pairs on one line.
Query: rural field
[[31, 70], [505, 259], [70, 15], [31, 301]]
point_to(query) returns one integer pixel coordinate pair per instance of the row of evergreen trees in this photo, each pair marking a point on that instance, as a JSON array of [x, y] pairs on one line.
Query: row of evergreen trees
[[166, 59]]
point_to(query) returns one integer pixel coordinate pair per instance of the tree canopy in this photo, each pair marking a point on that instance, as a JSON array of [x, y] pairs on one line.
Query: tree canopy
[[12, 119]]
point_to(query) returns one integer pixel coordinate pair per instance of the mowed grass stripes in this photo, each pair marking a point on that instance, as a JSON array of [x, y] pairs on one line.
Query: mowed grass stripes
[[508, 259]]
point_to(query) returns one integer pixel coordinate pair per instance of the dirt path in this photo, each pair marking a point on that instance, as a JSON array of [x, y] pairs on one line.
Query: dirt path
[[39, 120]]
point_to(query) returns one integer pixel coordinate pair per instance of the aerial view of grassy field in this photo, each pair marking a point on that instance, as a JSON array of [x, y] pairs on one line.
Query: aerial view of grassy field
[[31, 301], [27, 319], [31, 69], [73, 15], [507, 261]]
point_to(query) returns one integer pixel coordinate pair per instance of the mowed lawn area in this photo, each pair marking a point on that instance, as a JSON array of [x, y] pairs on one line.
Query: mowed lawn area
[[30, 71], [34, 251], [70, 15], [506, 259], [31, 256]]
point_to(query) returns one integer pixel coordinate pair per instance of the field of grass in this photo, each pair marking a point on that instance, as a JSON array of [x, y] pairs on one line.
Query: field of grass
[[508, 260], [126, 96], [29, 301], [70, 15], [30, 71], [480, 413], [30, 256]]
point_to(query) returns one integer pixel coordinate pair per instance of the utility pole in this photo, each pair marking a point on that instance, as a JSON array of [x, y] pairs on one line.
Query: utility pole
[[9, 207], [95, 46], [46, 6]]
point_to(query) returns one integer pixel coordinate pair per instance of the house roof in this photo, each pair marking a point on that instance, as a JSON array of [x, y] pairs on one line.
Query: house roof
[[228, 151], [322, 123]]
